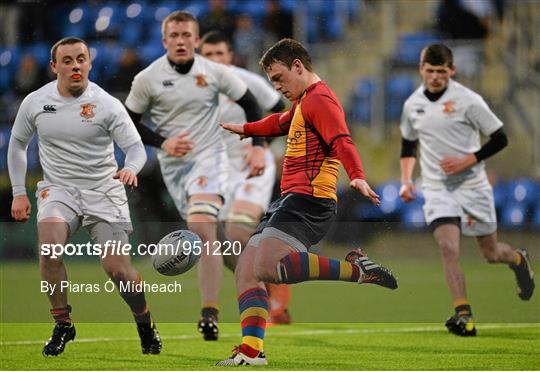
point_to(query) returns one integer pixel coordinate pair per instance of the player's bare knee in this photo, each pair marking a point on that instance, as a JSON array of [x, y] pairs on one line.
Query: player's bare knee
[[449, 248], [491, 256], [50, 262], [118, 273], [265, 268]]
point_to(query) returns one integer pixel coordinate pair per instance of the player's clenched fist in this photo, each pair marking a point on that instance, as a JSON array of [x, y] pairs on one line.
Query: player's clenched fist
[[407, 192], [21, 208], [127, 177], [178, 145], [363, 188]]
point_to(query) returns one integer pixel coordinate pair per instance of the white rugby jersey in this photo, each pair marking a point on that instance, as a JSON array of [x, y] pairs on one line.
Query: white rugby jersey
[[75, 134], [185, 102], [450, 126], [230, 112]]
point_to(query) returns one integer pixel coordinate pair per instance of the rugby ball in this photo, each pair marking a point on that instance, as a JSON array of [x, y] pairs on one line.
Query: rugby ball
[[177, 252]]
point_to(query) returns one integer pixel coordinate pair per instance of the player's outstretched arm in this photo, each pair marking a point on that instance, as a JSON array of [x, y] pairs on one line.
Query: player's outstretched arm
[[363, 188], [233, 128], [20, 207]]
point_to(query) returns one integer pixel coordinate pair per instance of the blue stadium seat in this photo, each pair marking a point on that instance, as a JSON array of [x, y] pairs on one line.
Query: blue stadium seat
[[397, 89], [5, 132], [335, 27], [412, 217], [410, 46], [391, 203], [368, 211], [353, 10], [9, 60], [499, 195], [41, 53], [536, 216], [514, 216], [151, 51], [131, 33], [197, 8], [361, 100], [288, 5], [80, 21], [256, 9], [522, 190]]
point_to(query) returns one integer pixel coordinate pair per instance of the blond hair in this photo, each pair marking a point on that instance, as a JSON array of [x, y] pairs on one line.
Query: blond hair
[[178, 16]]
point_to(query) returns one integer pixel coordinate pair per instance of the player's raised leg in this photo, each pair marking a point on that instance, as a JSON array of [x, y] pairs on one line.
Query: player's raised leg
[[277, 261], [120, 270], [55, 230], [202, 220], [518, 260]]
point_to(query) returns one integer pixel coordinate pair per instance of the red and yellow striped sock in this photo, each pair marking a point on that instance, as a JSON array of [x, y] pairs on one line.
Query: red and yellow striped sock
[[303, 266], [253, 305]]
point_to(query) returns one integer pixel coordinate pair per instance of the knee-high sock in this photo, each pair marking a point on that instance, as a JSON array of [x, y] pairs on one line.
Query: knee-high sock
[[137, 303], [253, 305], [303, 266]]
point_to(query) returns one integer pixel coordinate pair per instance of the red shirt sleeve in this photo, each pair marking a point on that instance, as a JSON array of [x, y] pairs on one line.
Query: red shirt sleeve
[[326, 115], [271, 126]]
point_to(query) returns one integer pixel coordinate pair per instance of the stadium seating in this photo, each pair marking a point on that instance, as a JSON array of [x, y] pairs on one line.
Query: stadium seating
[[361, 100], [410, 46], [397, 89], [5, 132], [9, 60], [514, 216], [524, 191]]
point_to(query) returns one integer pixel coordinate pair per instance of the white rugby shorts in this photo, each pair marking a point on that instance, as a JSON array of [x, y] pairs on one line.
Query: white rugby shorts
[[206, 174], [107, 203], [475, 207], [256, 190]]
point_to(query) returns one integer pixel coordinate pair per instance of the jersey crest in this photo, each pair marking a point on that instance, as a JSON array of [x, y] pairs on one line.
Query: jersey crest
[[202, 181], [44, 194], [201, 81], [87, 110], [449, 107]]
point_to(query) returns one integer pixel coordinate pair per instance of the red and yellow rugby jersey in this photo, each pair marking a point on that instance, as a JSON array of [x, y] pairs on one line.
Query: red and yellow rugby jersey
[[318, 139]]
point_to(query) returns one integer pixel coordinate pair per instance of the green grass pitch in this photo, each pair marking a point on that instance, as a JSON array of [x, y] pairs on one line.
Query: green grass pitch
[[337, 326]]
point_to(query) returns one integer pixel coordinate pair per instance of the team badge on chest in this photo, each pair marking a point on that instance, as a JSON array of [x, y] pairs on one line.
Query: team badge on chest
[[449, 107], [87, 110], [201, 81]]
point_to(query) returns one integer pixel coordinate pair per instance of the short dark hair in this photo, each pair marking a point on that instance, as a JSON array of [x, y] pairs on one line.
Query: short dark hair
[[216, 37], [286, 51], [70, 40], [178, 16], [437, 55]]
